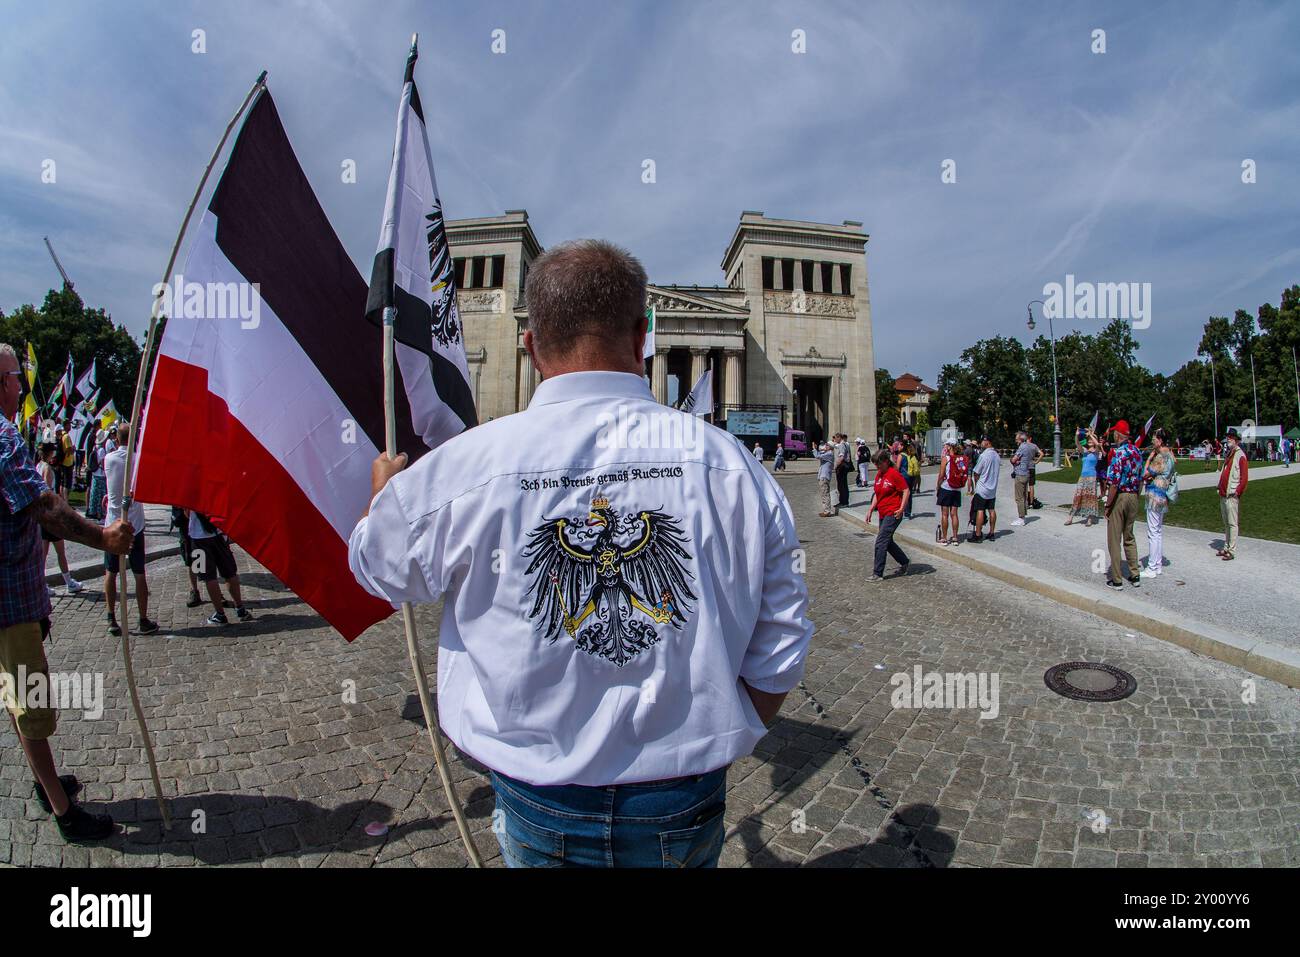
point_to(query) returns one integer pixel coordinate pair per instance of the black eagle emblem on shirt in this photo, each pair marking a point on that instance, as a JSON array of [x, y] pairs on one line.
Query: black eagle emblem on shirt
[[609, 580]]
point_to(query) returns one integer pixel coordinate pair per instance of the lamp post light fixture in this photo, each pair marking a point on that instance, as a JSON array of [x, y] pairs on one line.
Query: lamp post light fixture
[[1056, 400], [1214, 391]]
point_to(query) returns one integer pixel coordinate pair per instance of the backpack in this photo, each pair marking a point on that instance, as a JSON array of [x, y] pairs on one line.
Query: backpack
[[958, 469], [913, 466]]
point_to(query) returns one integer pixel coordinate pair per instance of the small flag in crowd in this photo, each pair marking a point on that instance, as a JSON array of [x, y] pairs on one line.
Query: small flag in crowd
[[413, 277], [270, 427], [1092, 426], [700, 400], [107, 415], [31, 368], [86, 384], [649, 350], [63, 389], [1146, 430]]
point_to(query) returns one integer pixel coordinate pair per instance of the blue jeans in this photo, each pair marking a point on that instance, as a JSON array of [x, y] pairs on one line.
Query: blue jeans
[[674, 823], [885, 543]]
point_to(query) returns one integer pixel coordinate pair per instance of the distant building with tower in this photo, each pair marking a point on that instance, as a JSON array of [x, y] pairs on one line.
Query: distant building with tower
[[913, 397], [791, 327]]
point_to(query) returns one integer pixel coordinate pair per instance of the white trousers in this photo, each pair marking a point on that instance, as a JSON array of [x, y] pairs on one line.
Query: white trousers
[[1155, 537]]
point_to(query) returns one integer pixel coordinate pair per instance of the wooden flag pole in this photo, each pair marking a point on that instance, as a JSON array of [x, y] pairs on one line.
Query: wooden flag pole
[[408, 617], [128, 484]]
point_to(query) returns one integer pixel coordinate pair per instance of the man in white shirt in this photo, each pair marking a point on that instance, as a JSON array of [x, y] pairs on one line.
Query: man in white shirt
[[209, 558], [984, 489], [622, 612], [115, 482]]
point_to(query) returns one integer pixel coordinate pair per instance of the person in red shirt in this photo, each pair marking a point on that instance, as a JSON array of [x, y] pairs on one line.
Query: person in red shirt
[[889, 497], [1232, 486]]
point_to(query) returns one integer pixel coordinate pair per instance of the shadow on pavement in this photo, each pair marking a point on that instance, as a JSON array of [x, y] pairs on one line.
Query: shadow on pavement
[[910, 836], [239, 827]]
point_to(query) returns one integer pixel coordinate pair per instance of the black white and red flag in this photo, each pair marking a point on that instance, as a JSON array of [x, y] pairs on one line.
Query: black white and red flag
[[413, 277], [268, 420]]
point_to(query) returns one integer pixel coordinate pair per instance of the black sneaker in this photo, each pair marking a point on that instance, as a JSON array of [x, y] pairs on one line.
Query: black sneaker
[[71, 787], [975, 539], [1135, 581], [218, 618], [194, 601], [114, 628], [1117, 585], [902, 569], [243, 614], [79, 825], [146, 626]]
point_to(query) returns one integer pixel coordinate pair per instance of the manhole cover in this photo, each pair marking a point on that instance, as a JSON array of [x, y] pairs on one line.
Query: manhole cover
[[1089, 681]]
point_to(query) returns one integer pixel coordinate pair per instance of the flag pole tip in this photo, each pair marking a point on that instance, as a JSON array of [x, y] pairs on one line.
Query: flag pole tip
[[261, 80], [415, 41]]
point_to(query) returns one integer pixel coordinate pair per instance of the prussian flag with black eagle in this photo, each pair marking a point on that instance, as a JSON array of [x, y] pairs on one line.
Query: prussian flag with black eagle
[[413, 277]]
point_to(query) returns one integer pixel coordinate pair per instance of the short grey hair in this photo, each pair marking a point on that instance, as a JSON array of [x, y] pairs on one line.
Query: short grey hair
[[587, 287], [7, 350]]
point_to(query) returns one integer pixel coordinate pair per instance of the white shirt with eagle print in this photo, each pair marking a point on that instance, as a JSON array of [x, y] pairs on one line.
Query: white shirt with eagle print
[[612, 569]]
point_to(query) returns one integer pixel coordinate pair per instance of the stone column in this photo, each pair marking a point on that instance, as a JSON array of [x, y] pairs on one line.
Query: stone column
[[659, 375], [732, 383], [699, 362], [527, 380]]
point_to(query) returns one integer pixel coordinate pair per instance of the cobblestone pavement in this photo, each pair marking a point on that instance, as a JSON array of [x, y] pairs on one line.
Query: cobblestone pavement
[[259, 747]]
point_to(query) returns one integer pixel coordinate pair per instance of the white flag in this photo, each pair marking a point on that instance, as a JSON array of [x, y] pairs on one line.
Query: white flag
[[649, 350], [86, 384], [700, 401], [413, 284]]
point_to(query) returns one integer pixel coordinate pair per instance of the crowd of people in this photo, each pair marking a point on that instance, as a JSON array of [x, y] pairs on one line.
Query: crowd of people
[[37, 476], [1119, 481]]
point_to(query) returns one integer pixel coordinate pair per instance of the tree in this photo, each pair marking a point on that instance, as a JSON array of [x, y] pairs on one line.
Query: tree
[[888, 405], [64, 324], [991, 391]]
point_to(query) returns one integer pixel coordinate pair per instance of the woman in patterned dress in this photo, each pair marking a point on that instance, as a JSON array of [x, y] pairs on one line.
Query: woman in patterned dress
[[1085, 506], [1158, 476]]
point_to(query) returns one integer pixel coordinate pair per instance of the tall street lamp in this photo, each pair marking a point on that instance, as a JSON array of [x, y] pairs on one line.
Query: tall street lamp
[[1215, 392], [1056, 401]]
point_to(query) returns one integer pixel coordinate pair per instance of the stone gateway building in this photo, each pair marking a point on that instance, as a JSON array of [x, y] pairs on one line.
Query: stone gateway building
[[790, 328]]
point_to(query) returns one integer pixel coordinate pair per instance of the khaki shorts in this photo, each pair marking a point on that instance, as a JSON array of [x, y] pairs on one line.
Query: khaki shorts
[[22, 645]]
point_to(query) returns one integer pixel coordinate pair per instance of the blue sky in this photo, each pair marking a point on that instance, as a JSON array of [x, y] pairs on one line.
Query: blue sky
[[1115, 167]]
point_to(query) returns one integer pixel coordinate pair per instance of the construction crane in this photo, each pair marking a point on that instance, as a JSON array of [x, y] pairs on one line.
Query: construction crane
[[62, 272]]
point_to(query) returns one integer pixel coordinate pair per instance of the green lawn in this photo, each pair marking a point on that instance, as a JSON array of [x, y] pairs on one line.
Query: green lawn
[[1066, 473], [1269, 510], [1070, 474]]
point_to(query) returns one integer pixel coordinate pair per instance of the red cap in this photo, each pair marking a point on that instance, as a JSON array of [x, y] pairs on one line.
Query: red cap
[[1121, 427]]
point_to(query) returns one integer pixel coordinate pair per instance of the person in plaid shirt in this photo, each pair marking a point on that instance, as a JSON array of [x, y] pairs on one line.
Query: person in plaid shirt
[[1123, 483], [27, 504]]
